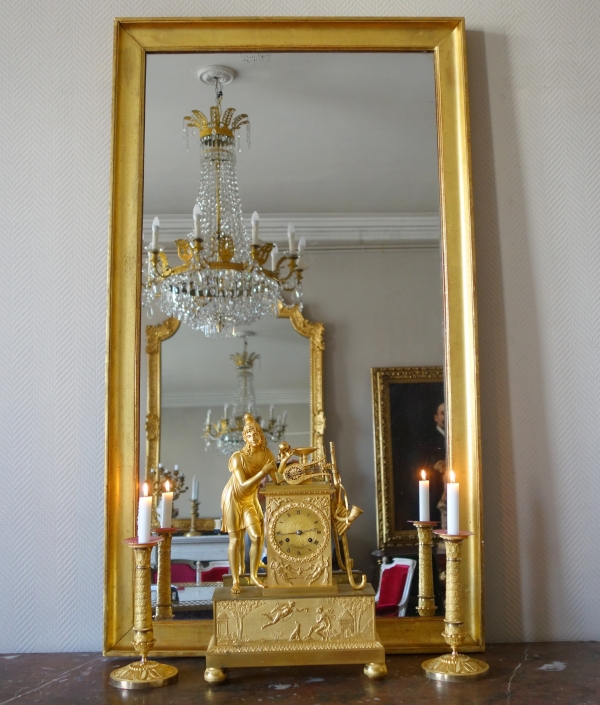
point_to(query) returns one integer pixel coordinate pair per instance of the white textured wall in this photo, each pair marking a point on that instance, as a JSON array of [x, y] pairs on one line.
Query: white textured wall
[[535, 100]]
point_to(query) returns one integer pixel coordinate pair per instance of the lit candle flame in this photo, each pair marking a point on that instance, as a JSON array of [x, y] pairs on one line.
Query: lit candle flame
[[423, 475], [145, 489], [452, 476], [167, 486]]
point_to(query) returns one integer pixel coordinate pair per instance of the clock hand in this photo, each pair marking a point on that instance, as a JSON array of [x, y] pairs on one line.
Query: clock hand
[[298, 532]]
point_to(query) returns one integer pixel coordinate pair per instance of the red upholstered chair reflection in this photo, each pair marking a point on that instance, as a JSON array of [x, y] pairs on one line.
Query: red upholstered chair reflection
[[214, 572], [394, 586], [181, 572]]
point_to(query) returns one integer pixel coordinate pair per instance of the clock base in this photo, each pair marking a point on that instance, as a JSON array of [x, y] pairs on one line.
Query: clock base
[[296, 627]]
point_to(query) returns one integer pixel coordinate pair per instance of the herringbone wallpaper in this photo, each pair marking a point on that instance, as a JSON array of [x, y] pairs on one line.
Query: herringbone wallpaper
[[535, 119]]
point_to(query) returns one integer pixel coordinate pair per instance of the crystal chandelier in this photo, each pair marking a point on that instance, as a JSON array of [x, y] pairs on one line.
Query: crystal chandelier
[[227, 433], [223, 280]]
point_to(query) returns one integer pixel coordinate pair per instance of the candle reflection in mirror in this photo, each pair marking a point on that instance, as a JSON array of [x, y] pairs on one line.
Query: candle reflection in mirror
[[423, 497], [167, 507]]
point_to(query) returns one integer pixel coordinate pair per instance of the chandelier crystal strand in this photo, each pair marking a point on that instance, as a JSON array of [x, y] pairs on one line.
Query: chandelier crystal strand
[[224, 281]]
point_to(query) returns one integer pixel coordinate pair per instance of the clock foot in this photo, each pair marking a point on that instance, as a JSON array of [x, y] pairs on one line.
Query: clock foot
[[215, 676], [375, 671]]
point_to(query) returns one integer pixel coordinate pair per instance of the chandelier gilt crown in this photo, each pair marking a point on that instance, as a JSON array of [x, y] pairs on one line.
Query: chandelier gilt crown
[[226, 278]]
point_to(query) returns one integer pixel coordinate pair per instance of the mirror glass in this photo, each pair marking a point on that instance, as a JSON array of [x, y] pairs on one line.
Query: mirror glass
[[344, 145], [198, 376]]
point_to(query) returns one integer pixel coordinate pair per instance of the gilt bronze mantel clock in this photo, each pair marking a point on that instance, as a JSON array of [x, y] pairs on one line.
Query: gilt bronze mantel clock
[[303, 613]]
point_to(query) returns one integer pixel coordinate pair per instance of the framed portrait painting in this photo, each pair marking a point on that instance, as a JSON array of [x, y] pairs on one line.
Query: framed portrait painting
[[410, 444]]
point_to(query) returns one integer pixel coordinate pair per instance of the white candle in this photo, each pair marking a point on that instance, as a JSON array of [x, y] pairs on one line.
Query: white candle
[[144, 516], [301, 245], [194, 488], [291, 240], [271, 411], [155, 231], [254, 221], [423, 497], [274, 253], [283, 418], [197, 214], [167, 507], [208, 413], [452, 502], [225, 410]]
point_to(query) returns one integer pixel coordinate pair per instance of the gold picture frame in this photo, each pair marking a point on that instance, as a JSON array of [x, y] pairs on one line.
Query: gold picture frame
[[134, 38], [388, 533]]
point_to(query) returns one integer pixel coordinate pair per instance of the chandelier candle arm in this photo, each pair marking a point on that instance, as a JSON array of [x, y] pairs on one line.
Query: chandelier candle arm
[[155, 231], [196, 215], [291, 239], [254, 222]]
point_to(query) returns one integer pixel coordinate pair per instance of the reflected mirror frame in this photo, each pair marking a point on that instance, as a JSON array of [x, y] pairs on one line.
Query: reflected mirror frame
[[445, 37], [156, 334]]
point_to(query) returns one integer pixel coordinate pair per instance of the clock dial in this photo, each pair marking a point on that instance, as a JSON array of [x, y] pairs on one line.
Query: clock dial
[[299, 532]]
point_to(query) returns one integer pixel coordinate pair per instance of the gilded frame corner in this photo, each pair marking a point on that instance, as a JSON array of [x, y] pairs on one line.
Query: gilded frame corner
[[134, 38], [387, 534]]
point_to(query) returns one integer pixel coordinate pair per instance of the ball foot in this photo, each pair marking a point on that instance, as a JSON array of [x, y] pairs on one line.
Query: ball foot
[[455, 668], [375, 671], [215, 676]]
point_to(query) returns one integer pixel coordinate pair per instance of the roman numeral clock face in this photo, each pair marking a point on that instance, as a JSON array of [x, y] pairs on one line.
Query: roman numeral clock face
[[299, 532]]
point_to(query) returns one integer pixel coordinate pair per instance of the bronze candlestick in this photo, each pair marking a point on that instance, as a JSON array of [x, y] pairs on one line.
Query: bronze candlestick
[[454, 666], [193, 516], [143, 673], [164, 609], [426, 606]]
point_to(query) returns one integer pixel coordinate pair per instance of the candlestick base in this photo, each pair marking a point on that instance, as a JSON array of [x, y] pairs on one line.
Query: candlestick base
[[454, 667], [148, 674]]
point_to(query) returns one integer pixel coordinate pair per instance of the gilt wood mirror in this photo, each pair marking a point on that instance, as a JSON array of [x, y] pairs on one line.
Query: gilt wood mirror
[[438, 46]]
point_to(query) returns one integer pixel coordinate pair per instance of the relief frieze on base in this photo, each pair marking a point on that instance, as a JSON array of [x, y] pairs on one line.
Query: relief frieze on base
[[295, 624]]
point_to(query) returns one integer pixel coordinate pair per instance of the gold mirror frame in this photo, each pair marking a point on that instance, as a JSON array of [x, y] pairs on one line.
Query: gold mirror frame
[[157, 334], [445, 37]]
